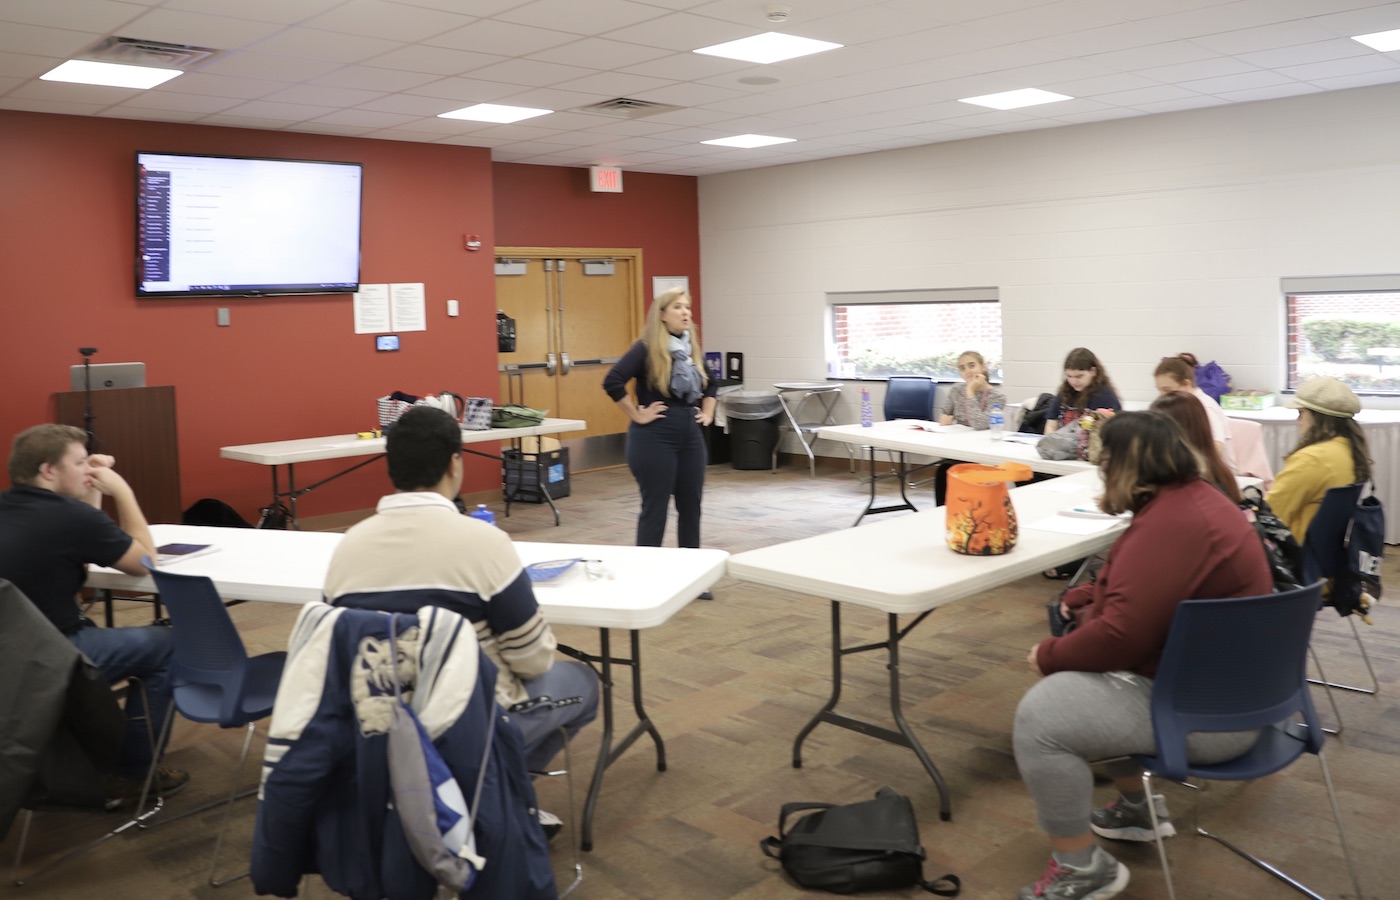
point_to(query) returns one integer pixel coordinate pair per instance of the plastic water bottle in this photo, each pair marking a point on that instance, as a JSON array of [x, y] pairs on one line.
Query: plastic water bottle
[[484, 514], [997, 421], [867, 416]]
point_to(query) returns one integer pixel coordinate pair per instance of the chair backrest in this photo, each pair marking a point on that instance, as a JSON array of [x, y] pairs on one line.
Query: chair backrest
[[1247, 446], [1324, 546], [909, 397], [1234, 665], [208, 648]]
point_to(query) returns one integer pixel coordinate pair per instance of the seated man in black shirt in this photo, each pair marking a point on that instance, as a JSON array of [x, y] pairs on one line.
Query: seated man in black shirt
[[51, 527]]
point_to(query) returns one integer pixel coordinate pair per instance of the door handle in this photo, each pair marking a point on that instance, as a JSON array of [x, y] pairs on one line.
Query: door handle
[[550, 363], [564, 363]]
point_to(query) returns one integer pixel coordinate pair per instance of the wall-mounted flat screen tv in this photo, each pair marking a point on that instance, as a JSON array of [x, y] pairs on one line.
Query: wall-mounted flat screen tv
[[227, 226]]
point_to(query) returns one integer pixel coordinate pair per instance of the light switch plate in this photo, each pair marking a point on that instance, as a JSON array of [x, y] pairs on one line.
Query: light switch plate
[[223, 316], [452, 308]]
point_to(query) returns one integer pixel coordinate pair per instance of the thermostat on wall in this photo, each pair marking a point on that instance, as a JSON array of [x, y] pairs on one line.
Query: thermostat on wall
[[386, 342]]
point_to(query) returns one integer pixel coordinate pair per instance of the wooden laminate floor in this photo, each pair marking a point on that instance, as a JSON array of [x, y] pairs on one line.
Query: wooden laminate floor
[[730, 682]]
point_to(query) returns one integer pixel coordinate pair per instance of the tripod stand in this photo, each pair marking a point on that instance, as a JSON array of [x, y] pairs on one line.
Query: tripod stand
[[88, 416]]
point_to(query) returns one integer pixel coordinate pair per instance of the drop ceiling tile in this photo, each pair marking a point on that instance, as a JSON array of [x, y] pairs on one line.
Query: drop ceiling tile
[[319, 127], [220, 86], [58, 107], [1109, 39], [1267, 37], [199, 29], [369, 78], [260, 10], [597, 53], [693, 67], [1272, 92], [1093, 87], [1048, 20], [463, 90], [1200, 101], [252, 64], [1361, 79], [1216, 67], [617, 84], [393, 21], [1155, 94], [1219, 18], [228, 121], [1340, 68], [530, 73], [682, 94], [414, 105], [365, 118], [593, 17], [504, 38], [279, 112], [682, 31], [561, 101], [37, 40], [24, 65], [1240, 82], [1302, 54], [433, 60], [96, 15], [65, 92], [323, 95], [190, 103], [329, 45], [1167, 53]]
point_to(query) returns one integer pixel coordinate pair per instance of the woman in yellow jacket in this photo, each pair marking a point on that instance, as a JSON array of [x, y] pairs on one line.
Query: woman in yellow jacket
[[1331, 452]]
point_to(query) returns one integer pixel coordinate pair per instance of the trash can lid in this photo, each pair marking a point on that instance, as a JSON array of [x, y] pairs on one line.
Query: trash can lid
[[752, 404]]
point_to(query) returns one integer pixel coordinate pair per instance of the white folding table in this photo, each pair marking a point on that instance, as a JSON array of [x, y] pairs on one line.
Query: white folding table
[[903, 567], [639, 587], [904, 436], [347, 446]]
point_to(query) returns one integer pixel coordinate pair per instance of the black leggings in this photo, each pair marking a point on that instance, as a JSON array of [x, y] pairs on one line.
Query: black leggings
[[667, 457]]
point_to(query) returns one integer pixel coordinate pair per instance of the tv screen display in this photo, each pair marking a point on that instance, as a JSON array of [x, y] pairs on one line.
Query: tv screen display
[[224, 226]]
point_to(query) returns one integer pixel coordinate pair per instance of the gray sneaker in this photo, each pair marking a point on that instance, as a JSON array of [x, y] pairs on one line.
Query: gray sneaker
[[1104, 877], [1124, 821]]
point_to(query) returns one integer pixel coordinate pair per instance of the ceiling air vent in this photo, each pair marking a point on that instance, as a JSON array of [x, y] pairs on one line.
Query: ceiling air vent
[[624, 108], [158, 54]]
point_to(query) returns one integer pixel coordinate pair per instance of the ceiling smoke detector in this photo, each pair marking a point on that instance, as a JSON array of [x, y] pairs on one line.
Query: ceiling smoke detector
[[777, 13]]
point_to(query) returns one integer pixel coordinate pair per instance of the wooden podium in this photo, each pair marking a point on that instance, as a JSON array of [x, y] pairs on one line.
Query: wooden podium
[[137, 426]]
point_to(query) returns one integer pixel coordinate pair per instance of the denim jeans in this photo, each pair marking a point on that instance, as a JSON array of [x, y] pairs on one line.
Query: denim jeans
[[564, 697], [142, 653]]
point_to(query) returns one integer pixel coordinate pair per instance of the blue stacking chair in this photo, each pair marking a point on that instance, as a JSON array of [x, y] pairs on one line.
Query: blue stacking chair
[[1235, 665], [1324, 556], [212, 678]]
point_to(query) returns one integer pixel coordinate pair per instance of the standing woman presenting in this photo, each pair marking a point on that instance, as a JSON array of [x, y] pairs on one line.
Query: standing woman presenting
[[665, 448]]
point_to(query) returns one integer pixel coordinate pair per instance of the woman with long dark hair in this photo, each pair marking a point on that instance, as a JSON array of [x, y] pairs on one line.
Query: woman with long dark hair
[[1331, 452], [1187, 541], [1086, 386]]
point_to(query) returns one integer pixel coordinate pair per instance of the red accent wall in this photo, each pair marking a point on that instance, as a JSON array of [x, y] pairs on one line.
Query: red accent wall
[[551, 206], [288, 367]]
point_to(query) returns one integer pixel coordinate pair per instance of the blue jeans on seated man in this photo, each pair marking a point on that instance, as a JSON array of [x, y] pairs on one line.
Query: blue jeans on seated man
[[142, 653], [564, 697]]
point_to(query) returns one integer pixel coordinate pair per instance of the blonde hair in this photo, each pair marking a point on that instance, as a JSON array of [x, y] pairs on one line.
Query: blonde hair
[[657, 341]]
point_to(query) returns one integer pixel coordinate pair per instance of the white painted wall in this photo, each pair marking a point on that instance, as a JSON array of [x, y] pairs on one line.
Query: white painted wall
[[1138, 238]]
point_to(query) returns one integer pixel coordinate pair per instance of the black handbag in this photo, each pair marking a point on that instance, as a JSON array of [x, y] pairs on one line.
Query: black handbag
[[868, 846]]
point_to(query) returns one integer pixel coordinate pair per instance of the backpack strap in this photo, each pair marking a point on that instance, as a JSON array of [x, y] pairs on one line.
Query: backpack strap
[[953, 882]]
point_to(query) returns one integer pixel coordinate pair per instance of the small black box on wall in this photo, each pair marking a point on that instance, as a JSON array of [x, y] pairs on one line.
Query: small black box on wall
[[521, 474]]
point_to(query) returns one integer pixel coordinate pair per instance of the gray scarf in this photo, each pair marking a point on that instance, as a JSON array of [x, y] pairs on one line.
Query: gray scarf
[[685, 378]]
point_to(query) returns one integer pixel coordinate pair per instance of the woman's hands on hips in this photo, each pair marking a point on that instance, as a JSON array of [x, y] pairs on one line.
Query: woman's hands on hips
[[650, 413], [702, 416]]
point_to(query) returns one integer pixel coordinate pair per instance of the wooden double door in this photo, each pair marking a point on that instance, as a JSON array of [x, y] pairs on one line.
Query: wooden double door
[[576, 312]]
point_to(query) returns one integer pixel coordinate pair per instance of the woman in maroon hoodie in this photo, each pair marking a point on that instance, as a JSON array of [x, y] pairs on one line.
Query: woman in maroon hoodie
[[1187, 541]]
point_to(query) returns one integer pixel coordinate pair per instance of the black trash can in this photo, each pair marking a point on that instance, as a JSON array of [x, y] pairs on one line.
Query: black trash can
[[752, 419]]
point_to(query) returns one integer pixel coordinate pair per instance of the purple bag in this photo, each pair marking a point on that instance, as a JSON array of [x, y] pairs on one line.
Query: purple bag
[[1213, 380]]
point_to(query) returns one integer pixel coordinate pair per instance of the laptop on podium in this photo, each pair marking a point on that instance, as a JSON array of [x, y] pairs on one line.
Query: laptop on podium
[[109, 375]]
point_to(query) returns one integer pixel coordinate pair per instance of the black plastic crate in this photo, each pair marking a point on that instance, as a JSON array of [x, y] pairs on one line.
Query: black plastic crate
[[520, 475]]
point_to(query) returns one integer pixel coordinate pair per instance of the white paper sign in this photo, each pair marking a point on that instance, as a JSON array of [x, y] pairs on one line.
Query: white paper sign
[[407, 309], [372, 309]]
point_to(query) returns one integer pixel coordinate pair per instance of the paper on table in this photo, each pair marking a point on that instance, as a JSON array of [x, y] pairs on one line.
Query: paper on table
[[1068, 525], [924, 425], [1021, 437]]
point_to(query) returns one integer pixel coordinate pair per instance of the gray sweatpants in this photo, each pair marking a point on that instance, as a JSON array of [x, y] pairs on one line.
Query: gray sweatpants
[[1070, 718]]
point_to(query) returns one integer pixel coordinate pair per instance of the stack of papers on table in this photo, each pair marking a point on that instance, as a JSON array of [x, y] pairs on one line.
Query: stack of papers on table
[[923, 425]]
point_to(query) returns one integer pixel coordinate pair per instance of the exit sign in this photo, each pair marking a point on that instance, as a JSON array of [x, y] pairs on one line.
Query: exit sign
[[607, 179]]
